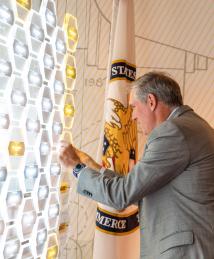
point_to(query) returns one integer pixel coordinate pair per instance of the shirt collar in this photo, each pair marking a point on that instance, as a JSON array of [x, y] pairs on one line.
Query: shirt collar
[[172, 112]]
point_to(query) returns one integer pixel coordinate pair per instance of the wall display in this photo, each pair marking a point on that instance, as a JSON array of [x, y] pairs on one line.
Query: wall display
[[172, 36], [37, 74]]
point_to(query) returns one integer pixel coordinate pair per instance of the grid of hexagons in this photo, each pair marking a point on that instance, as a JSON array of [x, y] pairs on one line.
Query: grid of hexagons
[[37, 75]]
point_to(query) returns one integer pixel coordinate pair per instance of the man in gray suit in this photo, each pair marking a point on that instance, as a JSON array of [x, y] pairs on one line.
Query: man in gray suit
[[173, 182]]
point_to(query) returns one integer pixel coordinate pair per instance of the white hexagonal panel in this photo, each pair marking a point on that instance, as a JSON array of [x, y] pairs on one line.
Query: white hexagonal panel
[[37, 75]]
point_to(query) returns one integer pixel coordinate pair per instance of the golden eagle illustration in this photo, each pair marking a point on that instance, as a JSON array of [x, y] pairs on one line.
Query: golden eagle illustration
[[120, 138]]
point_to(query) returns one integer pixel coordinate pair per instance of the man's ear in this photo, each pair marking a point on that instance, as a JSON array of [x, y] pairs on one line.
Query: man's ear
[[152, 101]]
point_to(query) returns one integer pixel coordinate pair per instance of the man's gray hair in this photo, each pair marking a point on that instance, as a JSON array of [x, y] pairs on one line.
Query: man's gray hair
[[161, 85]]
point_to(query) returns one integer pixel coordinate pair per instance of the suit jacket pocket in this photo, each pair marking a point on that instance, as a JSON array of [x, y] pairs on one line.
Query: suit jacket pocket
[[176, 239]]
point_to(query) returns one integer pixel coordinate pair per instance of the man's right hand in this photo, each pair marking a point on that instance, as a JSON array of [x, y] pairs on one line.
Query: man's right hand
[[70, 157]]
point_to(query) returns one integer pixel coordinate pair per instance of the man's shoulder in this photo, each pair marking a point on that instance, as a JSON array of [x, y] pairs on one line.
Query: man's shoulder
[[165, 130]]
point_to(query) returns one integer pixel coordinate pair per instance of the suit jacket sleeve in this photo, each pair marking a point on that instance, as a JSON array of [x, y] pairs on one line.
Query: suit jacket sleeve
[[166, 155]]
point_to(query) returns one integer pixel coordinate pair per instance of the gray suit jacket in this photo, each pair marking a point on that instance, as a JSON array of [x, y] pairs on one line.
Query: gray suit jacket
[[173, 183]]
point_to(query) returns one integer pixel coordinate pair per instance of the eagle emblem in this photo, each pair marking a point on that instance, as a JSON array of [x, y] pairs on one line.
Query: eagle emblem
[[120, 138]]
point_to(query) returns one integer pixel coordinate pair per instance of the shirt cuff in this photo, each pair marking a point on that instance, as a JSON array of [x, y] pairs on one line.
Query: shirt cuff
[[81, 172], [102, 169]]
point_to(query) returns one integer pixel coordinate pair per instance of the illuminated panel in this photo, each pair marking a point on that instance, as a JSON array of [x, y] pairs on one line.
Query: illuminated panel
[[70, 72], [37, 74], [24, 3], [64, 187], [69, 110], [52, 252], [70, 26], [16, 148]]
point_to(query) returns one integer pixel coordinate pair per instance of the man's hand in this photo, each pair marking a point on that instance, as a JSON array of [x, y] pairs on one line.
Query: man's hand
[[68, 155]]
